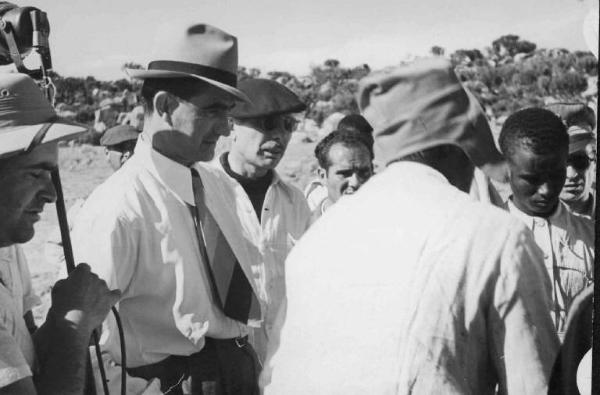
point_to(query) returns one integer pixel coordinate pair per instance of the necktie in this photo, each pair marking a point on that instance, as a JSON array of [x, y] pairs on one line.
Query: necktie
[[229, 285]]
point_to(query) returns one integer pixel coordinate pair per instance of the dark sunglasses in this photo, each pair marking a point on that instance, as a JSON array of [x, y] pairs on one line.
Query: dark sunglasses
[[272, 122], [579, 162]]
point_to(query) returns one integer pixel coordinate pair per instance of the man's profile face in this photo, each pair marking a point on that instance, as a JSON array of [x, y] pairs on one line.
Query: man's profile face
[[576, 182], [349, 169], [263, 141], [199, 122], [26, 186], [536, 180]]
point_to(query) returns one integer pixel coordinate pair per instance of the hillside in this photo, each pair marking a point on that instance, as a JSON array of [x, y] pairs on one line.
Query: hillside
[[509, 74]]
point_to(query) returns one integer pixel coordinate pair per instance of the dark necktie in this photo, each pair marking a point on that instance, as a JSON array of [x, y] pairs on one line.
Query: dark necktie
[[227, 279]]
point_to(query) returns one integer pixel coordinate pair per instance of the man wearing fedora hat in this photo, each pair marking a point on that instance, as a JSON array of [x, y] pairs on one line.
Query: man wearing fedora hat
[[164, 228], [438, 294], [276, 211], [53, 359]]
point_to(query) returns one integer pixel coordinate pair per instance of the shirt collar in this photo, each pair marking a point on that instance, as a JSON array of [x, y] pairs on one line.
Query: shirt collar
[[175, 176], [557, 215], [417, 167]]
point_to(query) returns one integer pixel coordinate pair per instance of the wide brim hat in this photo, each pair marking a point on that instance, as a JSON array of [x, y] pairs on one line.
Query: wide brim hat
[[421, 105], [194, 50], [267, 98], [27, 119]]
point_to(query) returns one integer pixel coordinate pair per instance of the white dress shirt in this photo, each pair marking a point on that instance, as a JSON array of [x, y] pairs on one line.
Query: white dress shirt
[[567, 242], [136, 231], [410, 287], [284, 218]]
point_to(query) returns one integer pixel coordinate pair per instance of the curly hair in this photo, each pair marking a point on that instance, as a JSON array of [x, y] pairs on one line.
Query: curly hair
[[536, 129], [348, 138]]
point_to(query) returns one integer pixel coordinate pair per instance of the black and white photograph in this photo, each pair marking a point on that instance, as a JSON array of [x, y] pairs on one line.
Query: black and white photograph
[[233, 197]]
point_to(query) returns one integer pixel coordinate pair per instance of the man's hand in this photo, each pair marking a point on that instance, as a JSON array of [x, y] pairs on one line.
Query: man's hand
[[82, 299]]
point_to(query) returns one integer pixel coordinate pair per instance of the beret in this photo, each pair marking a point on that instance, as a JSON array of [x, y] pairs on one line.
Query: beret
[[118, 134], [267, 97]]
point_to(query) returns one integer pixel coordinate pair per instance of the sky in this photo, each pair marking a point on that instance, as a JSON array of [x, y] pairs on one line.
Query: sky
[[95, 37]]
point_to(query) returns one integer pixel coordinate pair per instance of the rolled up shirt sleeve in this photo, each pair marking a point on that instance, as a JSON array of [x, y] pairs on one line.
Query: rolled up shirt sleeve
[[13, 366], [524, 339]]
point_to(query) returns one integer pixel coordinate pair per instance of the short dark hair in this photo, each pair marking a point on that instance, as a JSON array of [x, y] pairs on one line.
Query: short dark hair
[[348, 138], [355, 122], [536, 129], [184, 88]]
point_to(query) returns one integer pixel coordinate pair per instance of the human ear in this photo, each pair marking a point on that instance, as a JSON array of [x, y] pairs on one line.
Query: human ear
[[164, 105], [322, 173]]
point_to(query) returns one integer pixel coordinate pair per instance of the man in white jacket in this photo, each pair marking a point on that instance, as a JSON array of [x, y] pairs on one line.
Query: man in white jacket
[[420, 290]]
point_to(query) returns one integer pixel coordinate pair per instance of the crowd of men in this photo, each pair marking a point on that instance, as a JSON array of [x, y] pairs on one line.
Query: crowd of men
[[229, 280]]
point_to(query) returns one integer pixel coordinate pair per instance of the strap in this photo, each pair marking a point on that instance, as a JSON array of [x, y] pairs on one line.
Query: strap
[[39, 136]]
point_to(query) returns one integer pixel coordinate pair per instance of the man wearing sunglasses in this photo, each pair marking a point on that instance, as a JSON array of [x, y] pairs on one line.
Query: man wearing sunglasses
[[535, 144], [277, 212], [578, 192]]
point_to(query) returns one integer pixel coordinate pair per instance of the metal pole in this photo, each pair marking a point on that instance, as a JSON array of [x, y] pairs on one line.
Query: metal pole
[[61, 211]]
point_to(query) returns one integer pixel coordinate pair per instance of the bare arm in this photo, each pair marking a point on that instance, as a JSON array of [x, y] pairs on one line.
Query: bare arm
[[79, 304], [22, 387], [62, 349]]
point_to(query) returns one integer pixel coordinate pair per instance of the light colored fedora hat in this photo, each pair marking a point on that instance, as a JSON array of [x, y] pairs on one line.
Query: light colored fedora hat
[[198, 50], [27, 119]]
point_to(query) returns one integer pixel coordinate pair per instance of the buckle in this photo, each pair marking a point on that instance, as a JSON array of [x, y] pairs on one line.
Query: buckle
[[240, 342]]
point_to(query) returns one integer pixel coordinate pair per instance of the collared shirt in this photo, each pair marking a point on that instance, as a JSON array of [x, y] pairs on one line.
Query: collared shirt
[[409, 286], [17, 355], [136, 231], [284, 218], [567, 242]]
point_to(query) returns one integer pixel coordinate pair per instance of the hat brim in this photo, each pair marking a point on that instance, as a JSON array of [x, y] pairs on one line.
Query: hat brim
[[17, 139], [141, 74]]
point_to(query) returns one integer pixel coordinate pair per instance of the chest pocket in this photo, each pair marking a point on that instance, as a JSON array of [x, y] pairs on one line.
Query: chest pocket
[[575, 270]]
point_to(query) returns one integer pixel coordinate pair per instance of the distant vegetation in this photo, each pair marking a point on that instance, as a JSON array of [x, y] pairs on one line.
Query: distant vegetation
[[509, 74]]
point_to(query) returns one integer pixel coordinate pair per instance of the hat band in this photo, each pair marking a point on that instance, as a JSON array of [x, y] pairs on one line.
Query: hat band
[[212, 73]]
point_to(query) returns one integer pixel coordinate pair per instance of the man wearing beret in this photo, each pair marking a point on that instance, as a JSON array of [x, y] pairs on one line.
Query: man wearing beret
[[277, 212], [420, 290], [52, 359], [119, 144], [164, 227]]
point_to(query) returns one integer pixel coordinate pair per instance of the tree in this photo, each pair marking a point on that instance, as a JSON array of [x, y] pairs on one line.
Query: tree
[[437, 50], [131, 65]]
